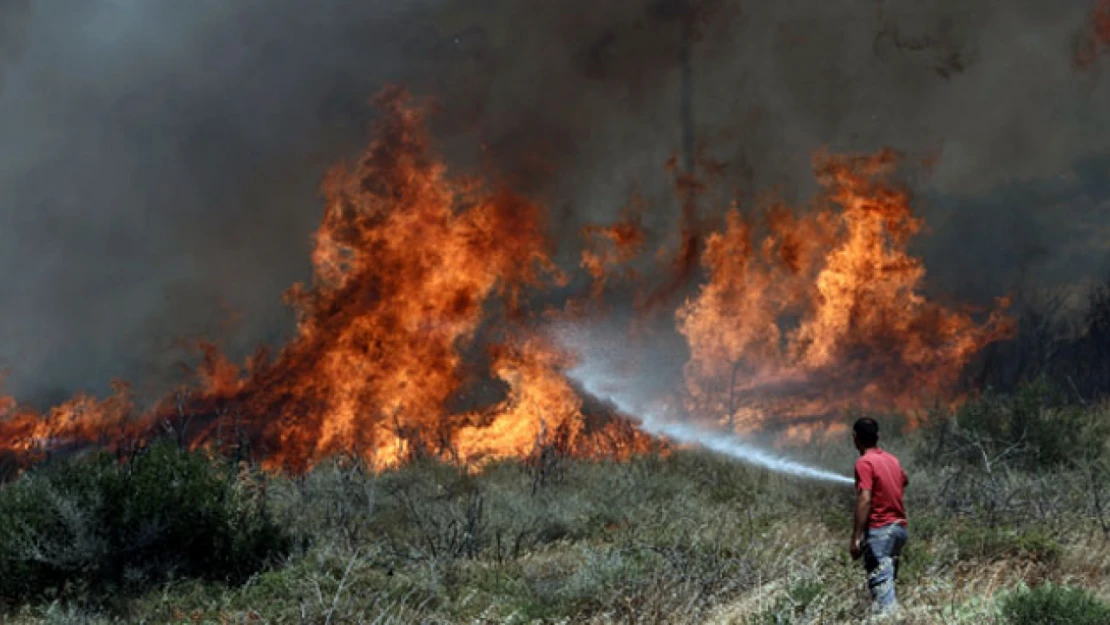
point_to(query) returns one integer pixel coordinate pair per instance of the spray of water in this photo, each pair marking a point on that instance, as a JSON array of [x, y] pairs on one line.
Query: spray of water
[[596, 375], [735, 448]]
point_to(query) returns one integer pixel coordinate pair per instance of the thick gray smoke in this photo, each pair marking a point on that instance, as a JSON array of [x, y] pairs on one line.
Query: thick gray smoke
[[160, 158]]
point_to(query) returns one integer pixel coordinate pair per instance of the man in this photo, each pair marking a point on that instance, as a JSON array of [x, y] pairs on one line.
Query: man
[[879, 531]]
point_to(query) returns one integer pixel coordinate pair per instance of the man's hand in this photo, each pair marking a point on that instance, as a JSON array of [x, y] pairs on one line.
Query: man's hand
[[856, 548]]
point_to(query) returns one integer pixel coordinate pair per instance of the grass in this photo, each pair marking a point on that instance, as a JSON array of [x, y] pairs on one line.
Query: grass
[[689, 537]]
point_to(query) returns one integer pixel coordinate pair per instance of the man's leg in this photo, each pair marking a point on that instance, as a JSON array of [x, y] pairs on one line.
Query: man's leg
[[879, 551]]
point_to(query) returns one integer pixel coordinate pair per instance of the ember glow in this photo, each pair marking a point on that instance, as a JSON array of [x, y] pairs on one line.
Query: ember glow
[[428, 327]]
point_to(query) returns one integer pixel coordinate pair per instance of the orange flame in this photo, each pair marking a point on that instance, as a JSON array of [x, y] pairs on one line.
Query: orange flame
[[611, 246], [415, 273], [79, 420], [405, 261], [540, 402], [863, 334]]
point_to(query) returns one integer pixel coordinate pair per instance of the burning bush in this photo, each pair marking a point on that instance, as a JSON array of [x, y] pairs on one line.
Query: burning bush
[[85, 526]]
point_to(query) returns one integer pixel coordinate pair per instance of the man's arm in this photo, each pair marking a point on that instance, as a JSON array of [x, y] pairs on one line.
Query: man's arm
[[863, 510]]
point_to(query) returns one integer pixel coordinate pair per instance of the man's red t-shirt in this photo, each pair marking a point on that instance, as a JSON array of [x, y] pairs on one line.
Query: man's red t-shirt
[[882, 474]]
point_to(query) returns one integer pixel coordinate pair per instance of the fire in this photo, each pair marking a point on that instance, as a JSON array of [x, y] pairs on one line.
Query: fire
[[612, 246], [823, 311], [424, 288], [541, 405], [405, 264], [79, 420]]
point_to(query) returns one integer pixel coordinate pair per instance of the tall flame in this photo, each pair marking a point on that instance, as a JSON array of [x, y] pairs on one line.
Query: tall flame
[[424, 289], [405, 262], [825, 310]]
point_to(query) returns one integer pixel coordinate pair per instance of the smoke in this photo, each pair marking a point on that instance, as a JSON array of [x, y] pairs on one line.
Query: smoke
[[12, 27], [602, 371], [160, 158], [160, 166]]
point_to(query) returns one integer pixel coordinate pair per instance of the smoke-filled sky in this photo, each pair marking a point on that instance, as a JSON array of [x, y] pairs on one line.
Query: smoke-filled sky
[[159, 159]]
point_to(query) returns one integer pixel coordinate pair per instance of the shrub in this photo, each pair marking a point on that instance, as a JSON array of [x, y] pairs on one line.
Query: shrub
[[997, 544], [99, 523], [1034, 429], [1051, 604]]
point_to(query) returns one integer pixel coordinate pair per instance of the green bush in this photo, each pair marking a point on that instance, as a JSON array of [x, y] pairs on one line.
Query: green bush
[[81, 527], [1051, 604], [1001, 543], [1036, 428]]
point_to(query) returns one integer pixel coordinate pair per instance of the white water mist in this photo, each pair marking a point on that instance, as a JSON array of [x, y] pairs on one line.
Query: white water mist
[[735, 448], [595, 373]]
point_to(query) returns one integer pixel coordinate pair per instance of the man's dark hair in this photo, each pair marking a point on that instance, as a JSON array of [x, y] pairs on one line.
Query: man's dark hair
[[868, 431]]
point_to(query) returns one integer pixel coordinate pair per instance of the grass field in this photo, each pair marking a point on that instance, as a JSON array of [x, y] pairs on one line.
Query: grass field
[[1010, 519]]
